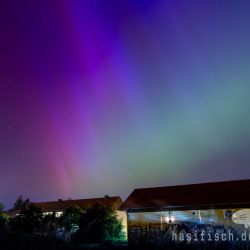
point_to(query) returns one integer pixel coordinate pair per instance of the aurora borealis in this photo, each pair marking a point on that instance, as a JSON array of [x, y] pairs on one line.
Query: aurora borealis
[[100, 97]]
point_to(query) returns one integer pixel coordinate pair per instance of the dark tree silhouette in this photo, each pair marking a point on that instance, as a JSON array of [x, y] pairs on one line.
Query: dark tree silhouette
[[71, 217], [3, 219], [100, 223], [1, 207], [21, 203], [29, 220]]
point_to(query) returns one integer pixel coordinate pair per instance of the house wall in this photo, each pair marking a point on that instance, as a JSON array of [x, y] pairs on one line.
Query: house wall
[[122, 216], [155, 227]]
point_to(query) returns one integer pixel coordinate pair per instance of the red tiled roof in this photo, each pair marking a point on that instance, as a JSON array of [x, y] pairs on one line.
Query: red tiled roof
[[60, 205], [187, 196]]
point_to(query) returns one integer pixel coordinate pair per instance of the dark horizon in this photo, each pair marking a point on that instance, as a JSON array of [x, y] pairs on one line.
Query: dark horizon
[[102, 97], [124, 198]]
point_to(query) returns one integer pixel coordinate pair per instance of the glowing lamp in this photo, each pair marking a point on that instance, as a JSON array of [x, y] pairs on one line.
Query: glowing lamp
[[169, 219]]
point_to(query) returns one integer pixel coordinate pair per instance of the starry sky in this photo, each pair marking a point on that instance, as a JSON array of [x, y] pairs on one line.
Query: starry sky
[[103, 96]]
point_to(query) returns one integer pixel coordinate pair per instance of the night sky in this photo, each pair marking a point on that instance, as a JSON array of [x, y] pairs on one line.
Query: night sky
[[100, 97]]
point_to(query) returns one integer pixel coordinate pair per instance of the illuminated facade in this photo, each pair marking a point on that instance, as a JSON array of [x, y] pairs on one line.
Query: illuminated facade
[[159, 215]]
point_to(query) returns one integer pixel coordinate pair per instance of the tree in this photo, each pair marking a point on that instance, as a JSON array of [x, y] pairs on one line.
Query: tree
[[112, 227], [1, 207], [71, 217], [100, 223], [29, 220], [21, 203], [3, 219]]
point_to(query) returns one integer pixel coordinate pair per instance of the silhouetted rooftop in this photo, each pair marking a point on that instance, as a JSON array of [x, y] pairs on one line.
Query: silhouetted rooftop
[[205, 195], [61, 205]]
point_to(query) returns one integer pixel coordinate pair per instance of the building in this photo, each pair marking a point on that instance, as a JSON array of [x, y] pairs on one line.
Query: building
[[57, 207], [158, 215]]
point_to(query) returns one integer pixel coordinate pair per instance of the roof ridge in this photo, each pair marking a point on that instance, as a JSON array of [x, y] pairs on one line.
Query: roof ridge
[[84, 199], [193, 184], [203, 194]]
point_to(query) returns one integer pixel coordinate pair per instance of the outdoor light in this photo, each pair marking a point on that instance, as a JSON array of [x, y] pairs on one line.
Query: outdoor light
[[170, 218], [167, 219]]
